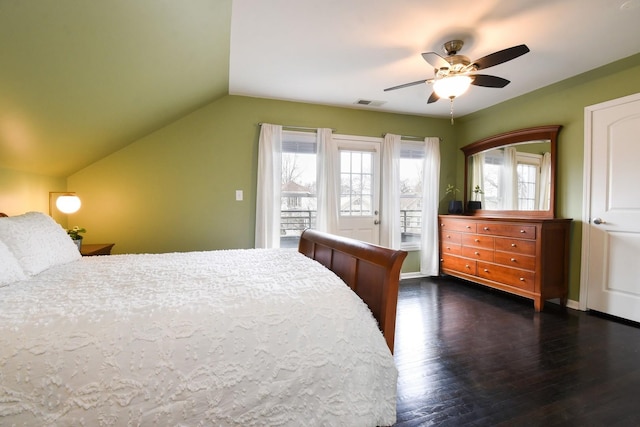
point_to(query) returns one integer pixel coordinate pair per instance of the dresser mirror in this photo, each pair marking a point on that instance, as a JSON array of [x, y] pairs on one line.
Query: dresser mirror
[[512, 174]]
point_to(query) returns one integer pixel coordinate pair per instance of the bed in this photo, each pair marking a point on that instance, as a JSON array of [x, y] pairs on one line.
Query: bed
[[232, 338]]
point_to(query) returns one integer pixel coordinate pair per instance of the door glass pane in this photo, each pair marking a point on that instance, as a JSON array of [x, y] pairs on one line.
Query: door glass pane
[[356, 183], [527, 177]]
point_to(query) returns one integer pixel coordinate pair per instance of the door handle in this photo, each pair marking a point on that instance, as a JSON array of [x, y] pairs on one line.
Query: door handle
[[598, 221], [376, 222]]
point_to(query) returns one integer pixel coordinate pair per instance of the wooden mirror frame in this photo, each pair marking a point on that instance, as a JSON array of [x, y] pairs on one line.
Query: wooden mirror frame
[[538, 133]]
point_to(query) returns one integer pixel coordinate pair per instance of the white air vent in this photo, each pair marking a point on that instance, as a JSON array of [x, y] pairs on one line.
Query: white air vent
[[369, 102]]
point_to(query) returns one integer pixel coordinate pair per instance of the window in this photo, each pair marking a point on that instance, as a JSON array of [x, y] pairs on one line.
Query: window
[[298, 198], [411, 173]]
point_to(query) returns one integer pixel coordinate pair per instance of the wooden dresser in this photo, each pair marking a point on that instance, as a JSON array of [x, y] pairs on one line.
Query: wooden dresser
[[526, 257]]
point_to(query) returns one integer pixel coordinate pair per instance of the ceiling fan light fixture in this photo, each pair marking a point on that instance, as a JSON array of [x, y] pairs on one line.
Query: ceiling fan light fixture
[[452, 86]]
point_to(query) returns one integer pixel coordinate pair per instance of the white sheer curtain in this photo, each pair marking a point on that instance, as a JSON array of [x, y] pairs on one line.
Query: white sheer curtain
[[545, 177], [429, 259], [328, 185], [509, 184], [477, 176], [390, 232], [269, 177]]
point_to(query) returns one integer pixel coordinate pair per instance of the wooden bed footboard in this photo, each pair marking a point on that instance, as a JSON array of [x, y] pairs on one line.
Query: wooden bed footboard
[[371, 271]]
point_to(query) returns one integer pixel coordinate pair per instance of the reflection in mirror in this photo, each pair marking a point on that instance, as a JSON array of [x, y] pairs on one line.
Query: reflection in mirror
[[514, 177], [512, 174]]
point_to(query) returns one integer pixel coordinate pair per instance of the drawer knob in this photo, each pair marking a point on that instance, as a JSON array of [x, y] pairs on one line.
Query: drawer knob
[[513, 245], [468, 226], [476, 240], [448, 236], [486, 270], [467, 266], [441, 225], [522, 279], [513, 260], [523, 231], [486, 229], [448, 248], [477, 253]]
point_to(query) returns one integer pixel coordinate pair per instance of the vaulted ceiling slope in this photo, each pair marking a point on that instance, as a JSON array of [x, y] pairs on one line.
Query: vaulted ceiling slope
[[81, 79]]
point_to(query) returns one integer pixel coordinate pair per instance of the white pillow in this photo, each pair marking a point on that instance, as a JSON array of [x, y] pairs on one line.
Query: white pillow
[[37, 241], [10, 270]]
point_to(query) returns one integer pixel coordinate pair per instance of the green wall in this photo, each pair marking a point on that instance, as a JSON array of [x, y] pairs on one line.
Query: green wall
[[174, 190], [562, 103]]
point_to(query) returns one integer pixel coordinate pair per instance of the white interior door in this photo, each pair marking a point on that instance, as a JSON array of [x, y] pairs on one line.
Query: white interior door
[[359, 188], [611, 231]]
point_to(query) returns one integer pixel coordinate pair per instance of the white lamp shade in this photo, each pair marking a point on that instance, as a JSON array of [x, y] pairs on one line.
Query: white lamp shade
[[68, 204], [451, 87]]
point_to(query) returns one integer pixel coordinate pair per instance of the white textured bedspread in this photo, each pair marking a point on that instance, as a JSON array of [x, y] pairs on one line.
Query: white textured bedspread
[[223, 338]]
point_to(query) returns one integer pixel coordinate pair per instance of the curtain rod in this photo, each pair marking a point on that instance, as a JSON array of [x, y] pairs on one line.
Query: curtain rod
[[298, 127], [420, 138]]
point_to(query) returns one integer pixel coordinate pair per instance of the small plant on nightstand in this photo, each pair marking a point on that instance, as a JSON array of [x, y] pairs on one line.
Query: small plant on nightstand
[[74, 233]]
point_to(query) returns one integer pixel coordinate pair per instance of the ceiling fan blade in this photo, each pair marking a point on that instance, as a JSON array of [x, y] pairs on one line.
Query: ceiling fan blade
[[435, 60], [433, 98], [405, 85], [488, 81], [501, 56]]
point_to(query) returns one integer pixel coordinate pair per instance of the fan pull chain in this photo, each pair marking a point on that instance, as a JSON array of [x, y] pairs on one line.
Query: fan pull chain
[[451, 109]]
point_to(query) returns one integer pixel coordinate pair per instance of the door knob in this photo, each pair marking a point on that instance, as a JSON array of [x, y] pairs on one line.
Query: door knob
[[599, 221], [376, 222]]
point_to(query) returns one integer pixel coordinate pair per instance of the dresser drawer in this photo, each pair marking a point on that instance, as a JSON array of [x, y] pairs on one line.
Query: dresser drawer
[[457, 225], [450, 248], [452, 237], [525, 262], [519, 246], [477, 253], [478, 241], [462, 265], [511, 276], [508, 230]]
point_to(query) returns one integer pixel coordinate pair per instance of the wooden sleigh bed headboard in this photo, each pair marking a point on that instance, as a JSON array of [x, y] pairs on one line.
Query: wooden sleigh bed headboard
[[372, 272]]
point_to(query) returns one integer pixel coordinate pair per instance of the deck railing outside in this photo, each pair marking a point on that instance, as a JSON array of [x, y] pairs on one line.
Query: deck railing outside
[[293, 222]]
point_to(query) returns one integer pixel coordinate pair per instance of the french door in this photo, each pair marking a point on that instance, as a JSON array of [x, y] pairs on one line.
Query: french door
[[359, 169]]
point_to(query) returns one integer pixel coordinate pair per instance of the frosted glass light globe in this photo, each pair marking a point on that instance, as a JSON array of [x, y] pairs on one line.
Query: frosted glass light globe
[[68, 204]]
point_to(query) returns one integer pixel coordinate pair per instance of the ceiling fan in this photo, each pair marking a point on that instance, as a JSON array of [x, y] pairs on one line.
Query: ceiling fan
[[455, 73]]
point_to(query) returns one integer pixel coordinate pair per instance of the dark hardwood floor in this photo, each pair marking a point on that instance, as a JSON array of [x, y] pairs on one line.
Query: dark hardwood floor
[[471, 356]]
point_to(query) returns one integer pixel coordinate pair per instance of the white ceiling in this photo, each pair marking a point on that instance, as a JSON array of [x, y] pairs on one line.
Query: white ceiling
[[81, 79], [337, 52]]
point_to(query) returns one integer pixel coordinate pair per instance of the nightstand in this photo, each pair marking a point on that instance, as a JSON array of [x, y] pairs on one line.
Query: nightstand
[[96, 249]]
